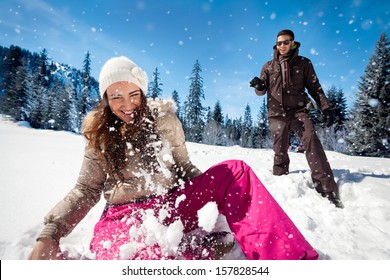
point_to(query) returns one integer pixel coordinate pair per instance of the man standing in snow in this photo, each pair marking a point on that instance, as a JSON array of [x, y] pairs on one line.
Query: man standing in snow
[[284, 79]]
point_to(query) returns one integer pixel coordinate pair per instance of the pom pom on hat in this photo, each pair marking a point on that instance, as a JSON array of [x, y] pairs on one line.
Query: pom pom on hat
[[122, 69]]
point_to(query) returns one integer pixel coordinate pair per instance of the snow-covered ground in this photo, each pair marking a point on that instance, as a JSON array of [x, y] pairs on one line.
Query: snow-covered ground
[[38, 167]]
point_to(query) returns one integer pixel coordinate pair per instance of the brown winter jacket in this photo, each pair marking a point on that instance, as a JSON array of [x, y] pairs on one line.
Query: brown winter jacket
[[286, 101], [93, 180]]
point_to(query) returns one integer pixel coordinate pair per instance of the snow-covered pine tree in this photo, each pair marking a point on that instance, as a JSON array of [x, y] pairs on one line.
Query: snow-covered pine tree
[[333, 138], [194, 110], [39, 91], [229, 132], [38, 97], [32, 76], [65, 110], [53, 104], [21, 90], [339, 105], [213, 132], [13, 86], [369, 128], [154, 86], [74, 125], [208, 114], [3, 54]]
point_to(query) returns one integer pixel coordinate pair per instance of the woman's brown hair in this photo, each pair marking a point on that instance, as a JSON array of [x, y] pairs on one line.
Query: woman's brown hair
[[110, 137]]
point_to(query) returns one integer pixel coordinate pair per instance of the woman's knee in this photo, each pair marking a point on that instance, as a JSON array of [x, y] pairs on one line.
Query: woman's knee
[[238, 163], [236, 167]]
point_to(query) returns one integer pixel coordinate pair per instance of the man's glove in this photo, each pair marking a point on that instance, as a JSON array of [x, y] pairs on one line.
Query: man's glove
[[329, 117], [257, 83]]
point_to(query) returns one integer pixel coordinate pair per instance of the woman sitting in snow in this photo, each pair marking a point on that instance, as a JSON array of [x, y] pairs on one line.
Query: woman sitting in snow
[[136, 155]]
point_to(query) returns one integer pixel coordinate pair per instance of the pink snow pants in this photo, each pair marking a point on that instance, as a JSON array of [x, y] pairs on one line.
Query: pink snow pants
[[260, 226]]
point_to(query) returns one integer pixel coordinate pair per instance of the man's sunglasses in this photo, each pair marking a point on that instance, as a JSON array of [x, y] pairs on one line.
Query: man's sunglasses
[[285, 42]]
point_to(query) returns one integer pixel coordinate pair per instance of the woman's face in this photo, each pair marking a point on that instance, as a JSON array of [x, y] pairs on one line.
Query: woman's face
[[123, 99]]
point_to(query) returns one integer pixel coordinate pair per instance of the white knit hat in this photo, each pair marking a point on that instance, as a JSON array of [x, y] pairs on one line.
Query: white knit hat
[[122, 69]]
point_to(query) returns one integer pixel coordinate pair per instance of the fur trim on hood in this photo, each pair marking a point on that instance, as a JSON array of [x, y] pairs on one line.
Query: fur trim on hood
[[162, 105], [293, 52]]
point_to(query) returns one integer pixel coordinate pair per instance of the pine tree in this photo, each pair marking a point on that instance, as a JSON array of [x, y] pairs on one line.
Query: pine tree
[[237, 125], [246, 129], [266, 133], [64, 111], [341, 108], [332, 138], [84, 105], [229, 132], [331, 95], [50, 115], [209, 114], [217, 113], [73, 121], [369, 130], [39, 92], [11, 60], [154, 86], [194, 110], [61, 108], [22, 92], [261, 134], [232, 131], [213, 132], [39, 104], [176, 99], [3, 81], [338, 104], [14, 85], [32, 89]]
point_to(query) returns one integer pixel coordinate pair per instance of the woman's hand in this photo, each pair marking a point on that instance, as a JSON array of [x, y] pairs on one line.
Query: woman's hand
[[46, 249]]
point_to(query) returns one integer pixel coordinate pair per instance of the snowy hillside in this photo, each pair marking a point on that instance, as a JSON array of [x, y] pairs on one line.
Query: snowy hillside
[[39, 167]]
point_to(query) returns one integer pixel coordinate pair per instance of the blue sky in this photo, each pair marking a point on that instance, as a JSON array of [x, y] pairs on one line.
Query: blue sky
[[231, 39]]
